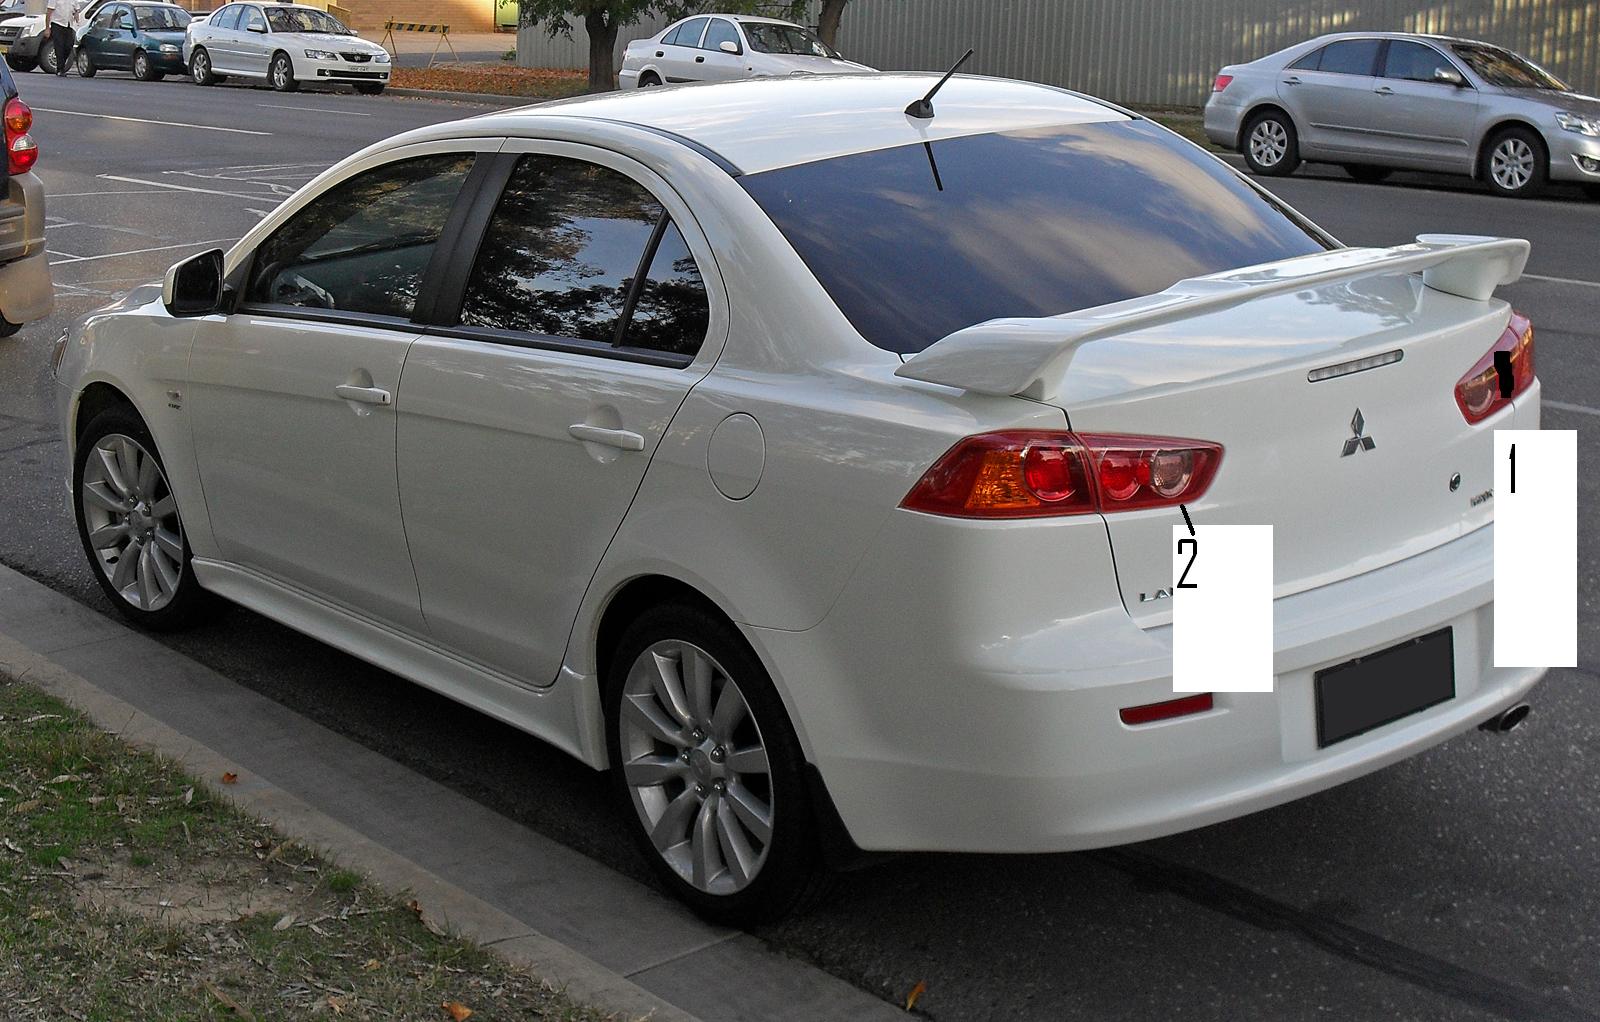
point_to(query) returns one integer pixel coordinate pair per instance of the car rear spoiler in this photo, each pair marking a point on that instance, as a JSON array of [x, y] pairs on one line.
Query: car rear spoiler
[[1029, 357]]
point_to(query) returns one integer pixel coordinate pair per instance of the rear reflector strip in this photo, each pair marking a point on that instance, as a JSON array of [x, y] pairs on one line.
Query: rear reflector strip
[[1149, 713], [1360, 365]]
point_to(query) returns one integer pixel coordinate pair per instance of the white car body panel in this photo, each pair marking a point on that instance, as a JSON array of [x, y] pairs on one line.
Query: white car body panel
[[976, 666], [674, 63], [238, 52]]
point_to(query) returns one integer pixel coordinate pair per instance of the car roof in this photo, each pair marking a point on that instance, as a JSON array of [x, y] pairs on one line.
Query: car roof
[[764, 123], [1430, 37]]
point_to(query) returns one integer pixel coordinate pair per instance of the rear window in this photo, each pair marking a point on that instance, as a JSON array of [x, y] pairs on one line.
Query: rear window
[[916, 242]]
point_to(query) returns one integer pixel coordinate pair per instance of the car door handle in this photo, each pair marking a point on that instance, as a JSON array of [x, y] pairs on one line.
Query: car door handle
[[365, 395], [699, 60], [1291, 80], [1384, 91], [622, 439], [660, 53]]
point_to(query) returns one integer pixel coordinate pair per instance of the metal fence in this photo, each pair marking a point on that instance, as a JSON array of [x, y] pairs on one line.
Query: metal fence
[[1154, 52]]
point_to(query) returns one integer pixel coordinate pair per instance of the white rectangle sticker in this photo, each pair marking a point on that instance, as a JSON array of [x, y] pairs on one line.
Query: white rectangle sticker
[[1535, 548], [1222, 608]]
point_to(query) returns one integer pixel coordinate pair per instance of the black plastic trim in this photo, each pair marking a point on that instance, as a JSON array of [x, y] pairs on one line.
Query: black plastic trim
[[572, 345], [475, 210], [440, 263], [647, 257]]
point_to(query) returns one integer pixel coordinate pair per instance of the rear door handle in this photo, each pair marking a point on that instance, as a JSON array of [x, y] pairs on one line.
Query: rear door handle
[[622, 439], [365, 395], [699, 60], [1291, 80], [1384, 91], [659, 53]]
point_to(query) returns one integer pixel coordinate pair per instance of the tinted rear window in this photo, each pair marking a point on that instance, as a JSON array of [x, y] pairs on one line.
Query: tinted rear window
[[916, 242], [1350, 57]]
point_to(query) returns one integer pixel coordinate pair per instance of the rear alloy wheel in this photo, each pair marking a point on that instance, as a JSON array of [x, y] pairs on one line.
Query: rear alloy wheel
[[85, 65], [648, 80], [144, 70], [1366, 173], [1271, 146], [707, 766], [129, 524], [1515, 163], [281, 74], [200, 68]]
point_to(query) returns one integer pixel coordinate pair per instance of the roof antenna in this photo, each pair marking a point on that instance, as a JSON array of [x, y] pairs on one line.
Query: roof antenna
[[923, 108]]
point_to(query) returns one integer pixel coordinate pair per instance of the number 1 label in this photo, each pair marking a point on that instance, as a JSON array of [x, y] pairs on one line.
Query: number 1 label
[[1535, 548]]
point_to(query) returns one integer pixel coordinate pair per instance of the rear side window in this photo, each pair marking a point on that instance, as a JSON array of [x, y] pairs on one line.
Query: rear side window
[[1350, 57], [224, 18], [364, 244], [1413, 62], [916, 242], [564, 250], [689, 32]]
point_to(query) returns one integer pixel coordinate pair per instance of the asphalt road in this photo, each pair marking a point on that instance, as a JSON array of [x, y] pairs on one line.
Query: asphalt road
[[1457, 885]]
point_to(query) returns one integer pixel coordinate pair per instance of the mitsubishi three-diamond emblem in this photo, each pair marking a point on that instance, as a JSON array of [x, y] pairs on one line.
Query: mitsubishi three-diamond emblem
[[1358, 441]]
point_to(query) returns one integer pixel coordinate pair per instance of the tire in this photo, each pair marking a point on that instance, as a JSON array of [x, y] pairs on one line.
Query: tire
[[281, 73], [649, 80], [21, 65], [200, 68], [1592, 191], [369, 88], [707, 793], [1366, 173], [120, 486], [1515, 163], [8, 328], [47, 58], [143, 70], [1271, 146], [85, 65]]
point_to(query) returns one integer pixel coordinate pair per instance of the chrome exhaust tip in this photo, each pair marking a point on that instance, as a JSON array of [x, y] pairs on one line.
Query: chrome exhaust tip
[[1506, 720]]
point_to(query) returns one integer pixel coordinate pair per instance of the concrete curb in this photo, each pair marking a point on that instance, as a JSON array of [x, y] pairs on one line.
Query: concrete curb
[[452, 908], [480, 98]]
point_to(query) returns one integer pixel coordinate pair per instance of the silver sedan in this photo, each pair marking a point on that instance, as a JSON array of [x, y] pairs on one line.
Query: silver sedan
[[1380, 101]]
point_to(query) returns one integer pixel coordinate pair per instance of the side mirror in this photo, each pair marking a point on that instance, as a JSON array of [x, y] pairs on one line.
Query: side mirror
[[729, 46], [194, 286], [261, 29], [1449, 75]]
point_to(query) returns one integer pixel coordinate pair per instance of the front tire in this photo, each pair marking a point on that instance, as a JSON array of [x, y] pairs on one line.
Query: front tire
[[1515, 163], [47, 58], [707, 769], [1271, 145], [200, 69], [129, 524], [85, 65], [144, 70], [1592, 191], [369, 88], [281, 74], [8, 328]]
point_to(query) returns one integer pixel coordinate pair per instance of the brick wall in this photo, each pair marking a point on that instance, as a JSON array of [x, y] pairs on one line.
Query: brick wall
[[368, 16]]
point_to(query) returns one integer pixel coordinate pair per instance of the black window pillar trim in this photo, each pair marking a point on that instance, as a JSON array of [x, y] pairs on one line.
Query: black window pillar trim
[[431, 293], [646, 257], [458, 248]]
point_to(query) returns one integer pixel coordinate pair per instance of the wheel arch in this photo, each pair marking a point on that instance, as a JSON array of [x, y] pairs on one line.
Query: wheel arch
[[96, 398], [1265, 106], [653, 72], [1493, 130]]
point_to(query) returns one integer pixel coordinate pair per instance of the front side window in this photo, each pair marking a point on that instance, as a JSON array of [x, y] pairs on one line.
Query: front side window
[[363, 245], [122, 18], [1350, 57], [1413, 62], [721, 31], [561, 254], [252, 21], [915, 242], [104, 18], [766, 37], [1506, 70], [152, 19]]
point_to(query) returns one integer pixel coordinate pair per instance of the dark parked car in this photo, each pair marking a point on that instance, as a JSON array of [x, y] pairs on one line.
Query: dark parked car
[[25, 289], [145, 38]]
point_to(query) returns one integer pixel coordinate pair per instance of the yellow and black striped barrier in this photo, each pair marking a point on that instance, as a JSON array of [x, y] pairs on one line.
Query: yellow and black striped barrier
[[442, 31]]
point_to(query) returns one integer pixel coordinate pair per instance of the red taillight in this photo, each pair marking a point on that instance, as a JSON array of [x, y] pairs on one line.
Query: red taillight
[[1479, 394], [1034, 474], [1149, 713], [1221, 82], [21, 150]]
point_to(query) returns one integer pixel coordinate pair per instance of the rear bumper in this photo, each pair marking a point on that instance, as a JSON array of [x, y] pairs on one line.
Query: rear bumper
[[1222, 120], [963, 747]]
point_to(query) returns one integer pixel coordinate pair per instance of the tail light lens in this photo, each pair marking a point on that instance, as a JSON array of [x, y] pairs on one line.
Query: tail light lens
[[1037, 474], [1479, 394], [22, 151], [1221, 82], [1149, 713]]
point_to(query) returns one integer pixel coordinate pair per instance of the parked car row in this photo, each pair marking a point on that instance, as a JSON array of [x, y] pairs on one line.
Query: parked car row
[[283, 44], [724, 47]]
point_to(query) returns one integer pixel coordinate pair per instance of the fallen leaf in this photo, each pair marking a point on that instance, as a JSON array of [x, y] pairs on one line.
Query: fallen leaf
[[456, 1010], [916, 994], [26, 807], [284, 923], [10, 845], [188, 795], [230, 777], [62, 779], [42, 716], [336, 1004], [372, 965]]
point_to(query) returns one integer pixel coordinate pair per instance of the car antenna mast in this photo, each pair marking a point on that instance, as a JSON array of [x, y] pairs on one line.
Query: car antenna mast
[[923, 108]]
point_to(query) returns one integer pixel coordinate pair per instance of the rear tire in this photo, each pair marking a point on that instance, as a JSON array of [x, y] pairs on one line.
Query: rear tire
[[21, 65], [1271, 145], [8, 328], [1515, 163], [713, 774], [85, 65], [369, 88], [281, 73], [1366, 173], [649, 80], [129, 524]]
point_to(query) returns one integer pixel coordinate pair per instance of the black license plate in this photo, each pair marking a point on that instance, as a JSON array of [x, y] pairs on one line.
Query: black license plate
[[1374, 690]]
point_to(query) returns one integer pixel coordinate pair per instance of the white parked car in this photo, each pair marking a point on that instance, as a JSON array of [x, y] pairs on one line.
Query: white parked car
[[285, 44], [722, 47], [813, 465]]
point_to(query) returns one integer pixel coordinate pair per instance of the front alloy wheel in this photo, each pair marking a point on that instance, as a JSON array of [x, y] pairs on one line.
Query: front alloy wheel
[[1516, 164], [282, 74], [200, 68]]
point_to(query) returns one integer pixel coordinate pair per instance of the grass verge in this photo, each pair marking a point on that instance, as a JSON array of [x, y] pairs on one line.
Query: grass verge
[[494, 79], [128, 891]]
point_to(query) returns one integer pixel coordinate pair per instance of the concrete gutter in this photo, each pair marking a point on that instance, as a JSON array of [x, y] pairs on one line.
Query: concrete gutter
[[608, 940], [480, 98]]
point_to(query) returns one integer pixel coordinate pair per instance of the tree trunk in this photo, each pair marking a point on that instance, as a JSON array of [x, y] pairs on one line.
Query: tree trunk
[[602, 46], [828, 21]]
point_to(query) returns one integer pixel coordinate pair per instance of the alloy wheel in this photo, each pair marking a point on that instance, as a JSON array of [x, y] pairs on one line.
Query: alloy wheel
[[1268, 143], [1512, 164], [280, 74], [200, 68], [131, 519], [695, 764], [141, 67]]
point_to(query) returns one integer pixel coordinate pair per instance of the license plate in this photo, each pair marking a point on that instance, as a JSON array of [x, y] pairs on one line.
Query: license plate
[[1378, 689]]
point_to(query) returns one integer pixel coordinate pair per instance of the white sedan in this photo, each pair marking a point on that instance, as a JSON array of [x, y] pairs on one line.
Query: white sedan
[[286, 45], [812, 464], [724, 47]]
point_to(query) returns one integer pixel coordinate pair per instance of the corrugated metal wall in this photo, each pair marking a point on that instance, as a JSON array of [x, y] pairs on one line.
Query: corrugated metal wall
[[1155, 52]]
